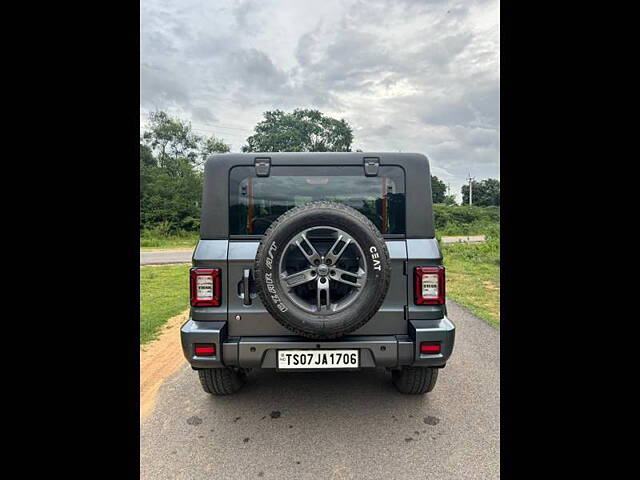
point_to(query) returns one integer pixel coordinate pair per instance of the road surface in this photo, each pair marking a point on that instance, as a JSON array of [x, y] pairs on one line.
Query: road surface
[[345, 425], [165, 257]]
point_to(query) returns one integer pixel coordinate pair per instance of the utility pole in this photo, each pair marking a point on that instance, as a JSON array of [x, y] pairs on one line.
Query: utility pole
[[471, 179]]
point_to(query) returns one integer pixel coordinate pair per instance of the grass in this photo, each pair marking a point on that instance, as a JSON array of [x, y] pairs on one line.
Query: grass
[[473, 277], [473, 270], [164, 293], [151, 241]]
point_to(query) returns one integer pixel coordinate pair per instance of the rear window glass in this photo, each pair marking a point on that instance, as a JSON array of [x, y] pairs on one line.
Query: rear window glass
[[255, 202]]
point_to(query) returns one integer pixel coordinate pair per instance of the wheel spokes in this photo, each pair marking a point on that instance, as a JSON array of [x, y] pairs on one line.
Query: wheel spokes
[[349, 278], [322, 270], [311, 257], [334, 257], [298, 278], [323, 287]]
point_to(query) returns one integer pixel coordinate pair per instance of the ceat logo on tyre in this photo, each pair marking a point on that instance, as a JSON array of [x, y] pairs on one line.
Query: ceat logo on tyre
[[374, 257]]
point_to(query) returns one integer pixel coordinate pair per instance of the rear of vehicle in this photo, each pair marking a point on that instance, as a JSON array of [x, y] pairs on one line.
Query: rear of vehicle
[[312, 261]]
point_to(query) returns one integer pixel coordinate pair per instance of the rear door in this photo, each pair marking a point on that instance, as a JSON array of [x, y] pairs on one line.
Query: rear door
[[255, 202]]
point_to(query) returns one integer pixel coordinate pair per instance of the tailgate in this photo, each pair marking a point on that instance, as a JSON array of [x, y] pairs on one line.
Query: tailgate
[[256, 321]]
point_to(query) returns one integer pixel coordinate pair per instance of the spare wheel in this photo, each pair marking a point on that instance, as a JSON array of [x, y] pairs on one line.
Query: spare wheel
[[322, 270]]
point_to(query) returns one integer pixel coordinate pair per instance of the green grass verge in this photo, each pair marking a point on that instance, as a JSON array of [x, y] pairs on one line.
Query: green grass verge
[[149, 242], [164, 293], [473, 277]]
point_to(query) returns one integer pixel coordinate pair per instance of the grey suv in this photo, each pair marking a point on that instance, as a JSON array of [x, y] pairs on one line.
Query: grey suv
[[317, 261]]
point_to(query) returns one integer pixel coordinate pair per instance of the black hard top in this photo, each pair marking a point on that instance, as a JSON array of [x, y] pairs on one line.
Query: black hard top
[[215, 194]]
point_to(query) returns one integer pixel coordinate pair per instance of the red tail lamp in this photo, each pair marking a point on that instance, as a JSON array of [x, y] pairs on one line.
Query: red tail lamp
[[430, 348], [429, 285], [205, 287], [205, 349]]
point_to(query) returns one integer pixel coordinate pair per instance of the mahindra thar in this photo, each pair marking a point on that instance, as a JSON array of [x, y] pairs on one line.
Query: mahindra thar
[[317, 261]]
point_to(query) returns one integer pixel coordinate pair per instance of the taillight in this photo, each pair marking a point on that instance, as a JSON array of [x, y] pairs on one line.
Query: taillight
[[429, 285], [430, 348], [205, 349], [205, 287]]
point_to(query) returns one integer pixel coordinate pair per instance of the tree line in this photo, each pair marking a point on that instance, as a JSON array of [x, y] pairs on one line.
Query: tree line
[[172, 155]]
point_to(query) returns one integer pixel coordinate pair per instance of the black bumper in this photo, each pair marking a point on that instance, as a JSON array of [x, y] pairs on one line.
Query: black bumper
[[390, 351]]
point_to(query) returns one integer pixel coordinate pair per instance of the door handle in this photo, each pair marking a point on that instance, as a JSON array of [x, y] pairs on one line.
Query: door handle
[[246, 273]]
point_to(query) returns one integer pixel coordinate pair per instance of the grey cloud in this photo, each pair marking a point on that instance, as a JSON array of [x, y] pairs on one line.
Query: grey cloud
[[159, 87], [447, 112], [203, 114], [407, 75], [244, 11], [444, 51], [256, 70]]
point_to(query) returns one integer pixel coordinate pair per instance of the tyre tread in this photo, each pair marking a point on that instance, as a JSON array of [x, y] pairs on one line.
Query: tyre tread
[[220, 381], [415, 380]]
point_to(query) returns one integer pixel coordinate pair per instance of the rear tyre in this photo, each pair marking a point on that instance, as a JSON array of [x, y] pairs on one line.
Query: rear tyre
[[415, 380], [222, 381]]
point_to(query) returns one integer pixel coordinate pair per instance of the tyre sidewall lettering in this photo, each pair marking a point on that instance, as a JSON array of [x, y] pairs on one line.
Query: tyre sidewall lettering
[[269, 280], [375, 258]]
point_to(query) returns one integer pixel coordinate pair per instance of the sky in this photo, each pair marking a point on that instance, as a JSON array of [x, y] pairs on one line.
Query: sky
[[407, 75]]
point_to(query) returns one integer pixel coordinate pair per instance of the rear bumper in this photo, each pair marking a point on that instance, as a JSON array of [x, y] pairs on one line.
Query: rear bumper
[[391, 351]]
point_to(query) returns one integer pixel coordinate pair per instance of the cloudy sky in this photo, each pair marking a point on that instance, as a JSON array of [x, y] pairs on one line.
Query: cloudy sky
[[408, 75]]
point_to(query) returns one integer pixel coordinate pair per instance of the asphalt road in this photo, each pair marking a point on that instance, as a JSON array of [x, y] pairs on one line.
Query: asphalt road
[[166, 257], [344, 425]]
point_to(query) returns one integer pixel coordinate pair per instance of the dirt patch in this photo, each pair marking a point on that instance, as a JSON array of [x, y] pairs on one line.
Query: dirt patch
[[158, 360]]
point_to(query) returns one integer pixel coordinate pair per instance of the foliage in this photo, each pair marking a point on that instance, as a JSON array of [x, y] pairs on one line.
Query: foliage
[[485, 193], [170, 181], [303, 130], [438, 189], [164, 293], [169, 198], [170, 139], [449, 200], [466, 220]]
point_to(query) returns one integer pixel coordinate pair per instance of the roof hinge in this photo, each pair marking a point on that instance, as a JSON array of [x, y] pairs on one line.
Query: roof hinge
[[371, 165], [263, 166]]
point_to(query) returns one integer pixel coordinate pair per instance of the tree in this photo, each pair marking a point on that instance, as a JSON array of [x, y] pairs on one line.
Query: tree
[[485, 193], [172, 139], [170, 183], [301, 131], [438, 189], [213, 145], [449, 200], [146, 156]]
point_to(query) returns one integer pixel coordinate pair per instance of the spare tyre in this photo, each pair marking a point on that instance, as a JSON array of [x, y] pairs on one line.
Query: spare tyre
[[322, 270]]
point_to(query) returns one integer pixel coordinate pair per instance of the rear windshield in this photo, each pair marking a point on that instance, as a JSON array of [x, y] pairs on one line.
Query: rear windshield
[[255, 202]]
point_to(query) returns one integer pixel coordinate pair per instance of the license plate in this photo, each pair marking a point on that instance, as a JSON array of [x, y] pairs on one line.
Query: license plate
[[312, 359]]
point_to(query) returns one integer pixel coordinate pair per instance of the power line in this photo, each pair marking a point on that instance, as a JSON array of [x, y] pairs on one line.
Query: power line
[[210, 132], [222, 126]]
